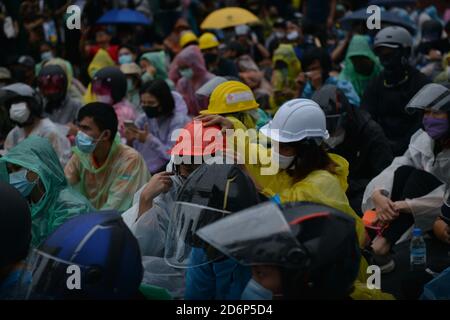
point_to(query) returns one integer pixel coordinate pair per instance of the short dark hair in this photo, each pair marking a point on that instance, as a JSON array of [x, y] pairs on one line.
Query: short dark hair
[[130, 47], [103, 115], [320, 54], [161, 90]]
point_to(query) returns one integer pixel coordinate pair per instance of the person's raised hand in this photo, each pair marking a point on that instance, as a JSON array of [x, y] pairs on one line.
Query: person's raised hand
[[159, 183]]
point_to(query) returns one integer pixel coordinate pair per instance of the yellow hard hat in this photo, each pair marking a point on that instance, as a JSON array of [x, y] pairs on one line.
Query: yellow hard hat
[[230, 97], [187, 37], [208, 41]]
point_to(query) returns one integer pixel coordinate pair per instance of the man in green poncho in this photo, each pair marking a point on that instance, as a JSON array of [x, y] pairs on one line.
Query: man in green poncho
[[35, 171], [361, 64]]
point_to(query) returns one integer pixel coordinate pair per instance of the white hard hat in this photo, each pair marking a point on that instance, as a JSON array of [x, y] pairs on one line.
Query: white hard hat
[[296, 120]]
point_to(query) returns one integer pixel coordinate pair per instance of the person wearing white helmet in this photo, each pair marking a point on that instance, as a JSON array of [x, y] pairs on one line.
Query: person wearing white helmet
[[306, 172]]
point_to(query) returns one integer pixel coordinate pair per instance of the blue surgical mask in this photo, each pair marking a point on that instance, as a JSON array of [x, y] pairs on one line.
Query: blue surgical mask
[[85, 143], [255, 291], [130, 85], [186, 73], [146, 77], [19, 181], [48, 55], [126, 58]]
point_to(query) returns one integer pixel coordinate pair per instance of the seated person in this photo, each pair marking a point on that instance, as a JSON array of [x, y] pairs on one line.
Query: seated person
[[34, 170], [105, 171], [15, 239], [153, 133], [411, 189], [357, 138]]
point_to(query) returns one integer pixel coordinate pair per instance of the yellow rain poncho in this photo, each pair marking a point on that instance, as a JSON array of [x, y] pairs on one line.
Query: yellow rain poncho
[[319, 186], [101, 60], [60, 202], [113, 185], [283, 80]]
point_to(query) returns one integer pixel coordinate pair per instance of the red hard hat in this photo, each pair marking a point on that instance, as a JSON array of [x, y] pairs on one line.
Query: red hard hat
[[196, 140]]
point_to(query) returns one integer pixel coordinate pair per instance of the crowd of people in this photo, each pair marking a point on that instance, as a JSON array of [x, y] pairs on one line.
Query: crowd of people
[[117, 156]]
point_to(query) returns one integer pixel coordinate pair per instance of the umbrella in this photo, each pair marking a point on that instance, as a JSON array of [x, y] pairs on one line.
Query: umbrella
[[228, 17], [123, 16], [386, 18], [393, 3]]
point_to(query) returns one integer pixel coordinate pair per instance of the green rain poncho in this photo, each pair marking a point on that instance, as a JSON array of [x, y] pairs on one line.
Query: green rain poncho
[[60, 202], [158, 61], [359, 46]]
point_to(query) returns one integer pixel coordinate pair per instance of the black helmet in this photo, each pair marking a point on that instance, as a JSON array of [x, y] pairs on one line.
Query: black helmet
[[15, 226], [394, 37], [52, 82], [315, 246], [22, 92], [334, 103], [101, 247], [113, 79], [211, 192], [432, 96]]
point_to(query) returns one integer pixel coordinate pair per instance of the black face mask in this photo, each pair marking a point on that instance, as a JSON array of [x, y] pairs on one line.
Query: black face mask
[[393, 62], [151, 112], [210, 58]]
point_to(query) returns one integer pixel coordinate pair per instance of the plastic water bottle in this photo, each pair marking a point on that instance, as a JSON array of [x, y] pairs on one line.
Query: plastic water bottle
[[418, 251]]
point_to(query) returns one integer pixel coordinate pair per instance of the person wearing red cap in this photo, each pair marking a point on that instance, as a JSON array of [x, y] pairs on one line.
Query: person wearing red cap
[[148, 218]]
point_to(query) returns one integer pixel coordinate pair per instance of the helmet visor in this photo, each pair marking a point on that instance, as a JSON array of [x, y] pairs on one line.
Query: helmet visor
[[432, 96], [259, 235], [51, 84], [185, 220], [49, 278]]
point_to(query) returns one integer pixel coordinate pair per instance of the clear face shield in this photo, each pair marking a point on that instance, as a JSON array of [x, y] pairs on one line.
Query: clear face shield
[[185, 220], [46, 277], [259, 235]]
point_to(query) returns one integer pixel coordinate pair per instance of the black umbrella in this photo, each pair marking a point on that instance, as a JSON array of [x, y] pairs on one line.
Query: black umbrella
[[393, 3], [387, 17]]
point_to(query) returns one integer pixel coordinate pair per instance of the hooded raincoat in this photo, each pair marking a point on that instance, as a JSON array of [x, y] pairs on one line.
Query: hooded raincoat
[[158, 61], [150, 230], [419, 155], [283, 80], [60, 202], [359, 46], [160, 139], [190, 57], [47, 129], [113, 185], [101, 60]]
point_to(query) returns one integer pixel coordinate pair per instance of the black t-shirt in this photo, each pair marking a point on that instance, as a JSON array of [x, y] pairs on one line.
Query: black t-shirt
[[387, 107]]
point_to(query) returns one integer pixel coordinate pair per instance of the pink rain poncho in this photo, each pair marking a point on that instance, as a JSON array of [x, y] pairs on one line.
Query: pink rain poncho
[[190, 57]]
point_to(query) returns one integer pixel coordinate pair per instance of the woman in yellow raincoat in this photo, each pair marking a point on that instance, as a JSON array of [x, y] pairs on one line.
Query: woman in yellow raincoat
[[286, 68], [297, 168], [101, 60]]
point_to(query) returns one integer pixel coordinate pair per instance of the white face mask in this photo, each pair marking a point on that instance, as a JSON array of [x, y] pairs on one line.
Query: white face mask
[[279, 34], [19, 112], [293, 35], [284, 162], [105, 99]]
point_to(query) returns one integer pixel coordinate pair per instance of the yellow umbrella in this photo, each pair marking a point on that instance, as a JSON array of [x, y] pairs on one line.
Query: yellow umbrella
[[228, 17]]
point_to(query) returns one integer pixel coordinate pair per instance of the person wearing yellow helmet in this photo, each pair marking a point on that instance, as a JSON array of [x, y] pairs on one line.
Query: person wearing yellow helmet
[[188, 38], [209, 45], [235, 101]]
